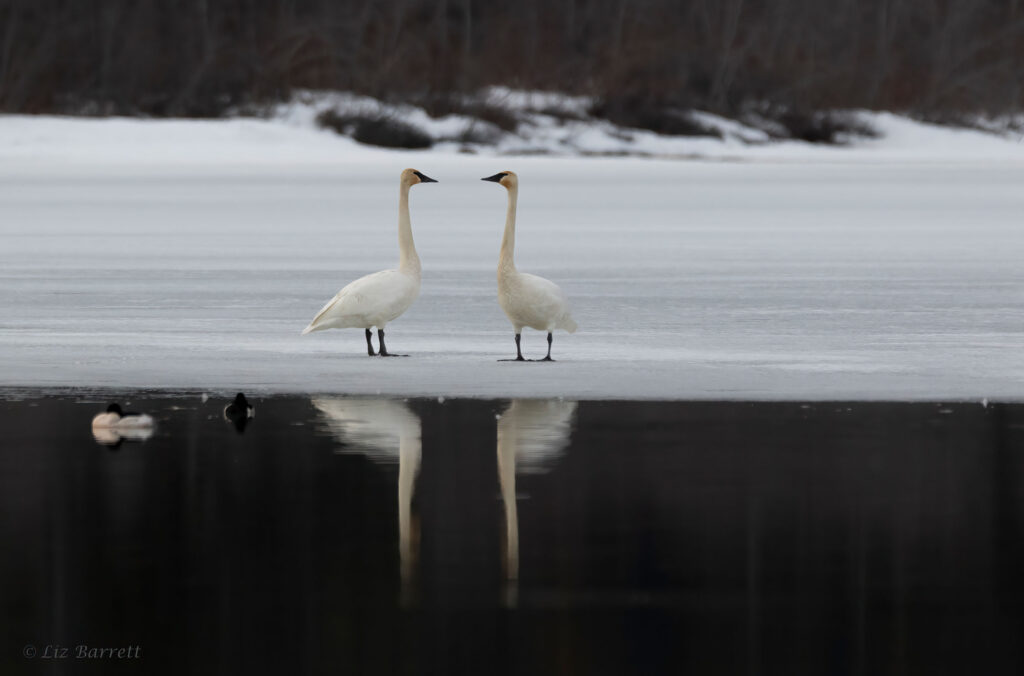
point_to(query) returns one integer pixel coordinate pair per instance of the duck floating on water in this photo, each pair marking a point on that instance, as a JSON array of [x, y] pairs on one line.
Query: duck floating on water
[[239, 412], [115, 418], [114, 426]]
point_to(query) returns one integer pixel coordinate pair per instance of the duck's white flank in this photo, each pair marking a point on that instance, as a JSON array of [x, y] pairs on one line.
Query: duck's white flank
[[111, 420], [379, 298], [528, 300]]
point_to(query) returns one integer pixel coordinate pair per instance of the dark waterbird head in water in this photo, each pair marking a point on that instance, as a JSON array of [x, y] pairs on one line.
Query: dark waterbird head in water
[[238, 412], [115, 408]]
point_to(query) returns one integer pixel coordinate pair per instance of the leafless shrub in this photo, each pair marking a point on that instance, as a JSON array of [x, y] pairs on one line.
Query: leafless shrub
[[653, 116], [439, 105], [824, 126], [375, 130]]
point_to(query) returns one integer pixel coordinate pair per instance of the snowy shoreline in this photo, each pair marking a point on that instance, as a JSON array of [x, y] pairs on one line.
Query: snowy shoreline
[[552, 126]]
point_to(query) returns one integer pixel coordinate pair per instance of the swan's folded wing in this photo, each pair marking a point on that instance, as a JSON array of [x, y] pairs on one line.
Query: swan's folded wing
[[318, 320], [355, 300], [548, 300]]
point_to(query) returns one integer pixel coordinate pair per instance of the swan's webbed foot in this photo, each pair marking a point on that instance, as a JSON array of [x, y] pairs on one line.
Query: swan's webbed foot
[[369, 344], [547, 358]]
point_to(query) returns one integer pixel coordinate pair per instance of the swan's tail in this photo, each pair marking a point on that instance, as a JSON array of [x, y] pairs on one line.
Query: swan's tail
[[311, 328], [569, 324]]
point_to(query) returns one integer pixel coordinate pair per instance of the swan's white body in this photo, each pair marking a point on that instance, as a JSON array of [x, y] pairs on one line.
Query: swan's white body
[[379, 298], [370, 301], [528, 300]]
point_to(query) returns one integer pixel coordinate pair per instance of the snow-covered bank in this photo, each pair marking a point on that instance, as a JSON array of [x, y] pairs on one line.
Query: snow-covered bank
[[557, 124], [548, 125]]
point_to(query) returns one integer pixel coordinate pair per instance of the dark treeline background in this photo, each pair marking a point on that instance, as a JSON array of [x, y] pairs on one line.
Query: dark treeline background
[[201, 57]]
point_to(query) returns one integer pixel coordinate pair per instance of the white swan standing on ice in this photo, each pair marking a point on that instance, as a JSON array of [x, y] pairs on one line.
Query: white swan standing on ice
[[528, 300], [375, 300]]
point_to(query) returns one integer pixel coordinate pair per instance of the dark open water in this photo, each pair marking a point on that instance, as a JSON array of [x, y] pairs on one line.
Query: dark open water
[[355, 536]]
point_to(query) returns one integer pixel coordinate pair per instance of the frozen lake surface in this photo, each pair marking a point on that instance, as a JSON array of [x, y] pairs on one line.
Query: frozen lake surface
[[852, 276]]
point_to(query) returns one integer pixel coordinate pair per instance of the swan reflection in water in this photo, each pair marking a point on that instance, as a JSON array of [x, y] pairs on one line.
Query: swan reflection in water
[[532, 434], [386, 431]]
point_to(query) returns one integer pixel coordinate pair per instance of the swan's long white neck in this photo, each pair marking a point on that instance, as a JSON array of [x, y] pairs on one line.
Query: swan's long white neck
[[408, 261], [410, 449], [506, 259], [507, 481]]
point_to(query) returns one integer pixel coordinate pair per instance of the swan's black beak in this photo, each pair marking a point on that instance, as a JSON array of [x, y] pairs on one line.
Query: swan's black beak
[[425, 179], [496, 178]]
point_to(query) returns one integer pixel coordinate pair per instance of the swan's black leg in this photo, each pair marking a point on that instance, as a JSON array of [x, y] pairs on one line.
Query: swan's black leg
[[369, 344], [548, 358], [383, 350], [519, 352]]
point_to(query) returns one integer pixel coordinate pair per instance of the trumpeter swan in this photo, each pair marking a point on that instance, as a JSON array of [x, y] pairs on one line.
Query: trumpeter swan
[[239, 412], [375, 300], [528, 300]]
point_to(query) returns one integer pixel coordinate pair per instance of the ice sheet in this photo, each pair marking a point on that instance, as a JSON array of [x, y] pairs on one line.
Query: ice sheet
[[190, 256]]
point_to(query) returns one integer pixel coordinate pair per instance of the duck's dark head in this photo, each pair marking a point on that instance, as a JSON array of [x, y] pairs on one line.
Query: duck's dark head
[[115, 408], [240, 400]]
